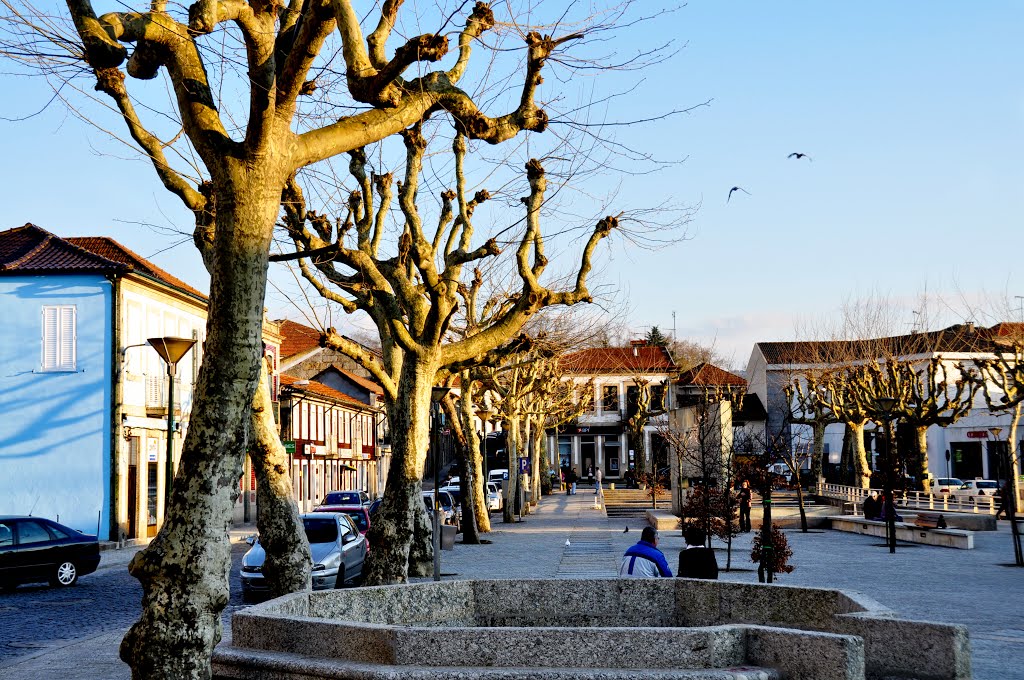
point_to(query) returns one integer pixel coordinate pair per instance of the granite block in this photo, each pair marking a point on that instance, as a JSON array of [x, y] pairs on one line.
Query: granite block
[[801, 655], [919, 649]]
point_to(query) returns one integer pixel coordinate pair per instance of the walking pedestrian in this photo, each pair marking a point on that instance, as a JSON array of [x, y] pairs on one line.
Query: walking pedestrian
[[696, 560], [643, 559], [744, 497], [598, 476], [1004, 500]]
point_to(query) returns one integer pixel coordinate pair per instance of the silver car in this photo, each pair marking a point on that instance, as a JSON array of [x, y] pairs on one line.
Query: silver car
[[335, 544], [493, 496]]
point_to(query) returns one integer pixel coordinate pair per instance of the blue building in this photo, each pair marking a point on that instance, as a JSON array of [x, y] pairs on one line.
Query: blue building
[[82, 398]]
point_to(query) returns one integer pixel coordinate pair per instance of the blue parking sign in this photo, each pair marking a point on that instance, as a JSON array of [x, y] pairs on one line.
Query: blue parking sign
[[524, 466]]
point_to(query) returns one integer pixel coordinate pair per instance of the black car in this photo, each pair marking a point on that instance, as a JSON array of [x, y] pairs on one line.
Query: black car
[[34, 549]]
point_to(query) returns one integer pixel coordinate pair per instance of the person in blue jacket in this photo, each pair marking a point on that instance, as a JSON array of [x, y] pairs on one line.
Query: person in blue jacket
[[644, 560]]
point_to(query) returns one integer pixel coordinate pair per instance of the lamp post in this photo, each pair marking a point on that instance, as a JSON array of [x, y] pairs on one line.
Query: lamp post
[[1010, 499], [885, 406], [171, 350], [437, 395]]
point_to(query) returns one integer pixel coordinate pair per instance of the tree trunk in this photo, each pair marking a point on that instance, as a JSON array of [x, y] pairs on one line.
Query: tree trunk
[[512, 488], [860, 454], [800, 502], [846, 458], [287, 567], [921, 464], [184, 571], [818, 455], [402, 517], [764, 569], [474, 459], [467, 480]]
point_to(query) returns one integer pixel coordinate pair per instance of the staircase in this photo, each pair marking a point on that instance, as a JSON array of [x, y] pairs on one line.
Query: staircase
[[632, 503]]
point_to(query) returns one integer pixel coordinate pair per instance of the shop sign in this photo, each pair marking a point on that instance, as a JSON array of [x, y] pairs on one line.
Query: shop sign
[[152, 450], [977, 434], [289, 446]]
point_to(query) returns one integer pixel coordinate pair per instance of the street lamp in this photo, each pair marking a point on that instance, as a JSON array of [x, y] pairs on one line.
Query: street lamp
[[437, 395], [171, 350], [885, 406]]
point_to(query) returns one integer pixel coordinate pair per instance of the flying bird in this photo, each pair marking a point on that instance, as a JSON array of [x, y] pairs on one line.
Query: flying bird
[[626, 530], [736, 189], [567, 544], [797, 155]]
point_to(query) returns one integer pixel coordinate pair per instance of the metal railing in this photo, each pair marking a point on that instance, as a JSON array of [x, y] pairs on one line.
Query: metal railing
[[913, 500]]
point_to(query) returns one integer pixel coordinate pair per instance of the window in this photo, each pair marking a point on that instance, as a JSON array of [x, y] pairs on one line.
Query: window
[[33, 532], [611, 397], [59, 338]]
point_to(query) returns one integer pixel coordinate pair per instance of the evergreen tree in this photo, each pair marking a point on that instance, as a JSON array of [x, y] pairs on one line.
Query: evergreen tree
[[655, 338]]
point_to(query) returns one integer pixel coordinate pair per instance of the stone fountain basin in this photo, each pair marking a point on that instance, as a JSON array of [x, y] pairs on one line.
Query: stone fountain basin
[[599, 623]]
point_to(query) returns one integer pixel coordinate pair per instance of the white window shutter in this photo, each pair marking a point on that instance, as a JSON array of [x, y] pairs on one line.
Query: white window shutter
[[49, 353], [68, 338]]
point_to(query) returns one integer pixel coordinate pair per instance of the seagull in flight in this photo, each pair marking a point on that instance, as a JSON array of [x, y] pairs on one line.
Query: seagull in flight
[[736, 189], [626, 530], [797, 155]]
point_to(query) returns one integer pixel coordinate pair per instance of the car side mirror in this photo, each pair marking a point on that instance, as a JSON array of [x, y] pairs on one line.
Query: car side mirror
[[251, 540]]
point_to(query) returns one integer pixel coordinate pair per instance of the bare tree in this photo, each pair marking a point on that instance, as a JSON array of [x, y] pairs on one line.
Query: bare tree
[[231, 172]]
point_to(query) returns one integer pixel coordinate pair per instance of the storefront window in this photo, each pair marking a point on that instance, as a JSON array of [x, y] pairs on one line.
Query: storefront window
[[151, 495]]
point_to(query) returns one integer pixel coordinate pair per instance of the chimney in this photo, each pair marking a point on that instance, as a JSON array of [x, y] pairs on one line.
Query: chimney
[[637, 343]]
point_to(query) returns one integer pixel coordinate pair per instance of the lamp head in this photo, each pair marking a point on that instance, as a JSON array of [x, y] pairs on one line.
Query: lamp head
[[437, 394], [885, 404], [171, 349]]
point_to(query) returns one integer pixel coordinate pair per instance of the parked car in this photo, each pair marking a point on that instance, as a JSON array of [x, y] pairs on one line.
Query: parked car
[[335, 544], [976, 488], [345, 498], [359, 514], [497, 476], [946, 484], [377, 502], [449, 511], [34, 549], [493, 496]]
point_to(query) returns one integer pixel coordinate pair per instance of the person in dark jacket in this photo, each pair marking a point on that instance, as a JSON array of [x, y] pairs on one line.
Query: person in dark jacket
[[696, 560], [744, 499], [872, 506]]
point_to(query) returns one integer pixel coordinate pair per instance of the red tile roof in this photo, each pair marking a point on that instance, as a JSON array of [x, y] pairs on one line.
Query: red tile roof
[[296, 338], [961, 338], [112, 250], [319, 389], [624, 360], [709, 374], [33, 250]]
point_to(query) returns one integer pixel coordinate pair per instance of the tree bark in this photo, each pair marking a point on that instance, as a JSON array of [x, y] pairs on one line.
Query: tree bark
[[860, 454], [512, 488], [921, 460], [467, 480], [818, 455], [403, 518], [474, 459], [184, 571], [287, 567]]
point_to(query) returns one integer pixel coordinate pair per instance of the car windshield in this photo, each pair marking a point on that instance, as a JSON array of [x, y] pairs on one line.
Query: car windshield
[[359, 519], [987, 485], [455, 493], [444, 500], [321, 529], [342, 498]]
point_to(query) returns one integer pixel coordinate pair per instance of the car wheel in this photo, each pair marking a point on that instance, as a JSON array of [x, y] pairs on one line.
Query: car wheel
[[340, 581], [66, 574]]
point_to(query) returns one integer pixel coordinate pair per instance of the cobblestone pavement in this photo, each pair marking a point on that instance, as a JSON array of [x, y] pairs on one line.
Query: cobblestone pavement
[[970, 587]]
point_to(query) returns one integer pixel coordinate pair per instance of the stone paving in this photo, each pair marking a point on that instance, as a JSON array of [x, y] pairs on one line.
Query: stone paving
[[971, 587]]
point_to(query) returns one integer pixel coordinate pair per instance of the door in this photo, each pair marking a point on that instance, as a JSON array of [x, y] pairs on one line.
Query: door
[[152, 493], [587, 451], [966, 459], [133, 500], [37, 551], [353, 548]]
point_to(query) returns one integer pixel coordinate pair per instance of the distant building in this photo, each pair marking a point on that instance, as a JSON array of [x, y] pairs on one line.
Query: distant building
[[964, 449], [600, 438], [304, 363]]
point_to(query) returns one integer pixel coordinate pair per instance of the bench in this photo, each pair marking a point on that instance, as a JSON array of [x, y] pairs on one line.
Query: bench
[[930, 520], [944, 538]]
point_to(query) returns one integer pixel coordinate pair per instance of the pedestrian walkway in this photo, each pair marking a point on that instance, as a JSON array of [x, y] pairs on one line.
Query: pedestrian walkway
[[971, 587]]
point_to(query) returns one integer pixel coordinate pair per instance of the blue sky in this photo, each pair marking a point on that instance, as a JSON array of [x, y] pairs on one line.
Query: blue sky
[[912, 112]]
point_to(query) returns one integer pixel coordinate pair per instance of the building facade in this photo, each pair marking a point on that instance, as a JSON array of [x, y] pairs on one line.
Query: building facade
[[600, 438]]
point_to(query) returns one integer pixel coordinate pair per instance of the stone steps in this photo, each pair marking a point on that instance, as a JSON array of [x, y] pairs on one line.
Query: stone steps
[[240, 663]]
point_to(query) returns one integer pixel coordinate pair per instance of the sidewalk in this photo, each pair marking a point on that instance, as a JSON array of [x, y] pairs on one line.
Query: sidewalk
[[971, 587]]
